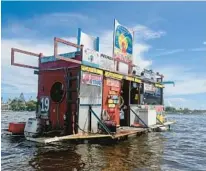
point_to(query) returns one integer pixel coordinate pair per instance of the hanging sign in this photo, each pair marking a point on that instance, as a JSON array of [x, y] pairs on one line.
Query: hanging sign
[[92, 79], [123, 42]]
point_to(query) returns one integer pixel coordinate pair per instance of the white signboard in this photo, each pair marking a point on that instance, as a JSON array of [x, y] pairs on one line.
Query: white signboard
[[88, 41], [149, 87], [91, 57], [106, 62], [123, 68]]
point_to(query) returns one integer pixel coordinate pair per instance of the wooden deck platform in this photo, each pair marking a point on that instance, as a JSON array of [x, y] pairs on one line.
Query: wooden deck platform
[[122, 132]]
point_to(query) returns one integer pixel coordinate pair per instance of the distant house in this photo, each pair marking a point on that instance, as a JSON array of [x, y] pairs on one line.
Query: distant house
[[5, 106]]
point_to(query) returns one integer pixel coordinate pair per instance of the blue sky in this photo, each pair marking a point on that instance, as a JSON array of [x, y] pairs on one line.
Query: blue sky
[[170, 38]]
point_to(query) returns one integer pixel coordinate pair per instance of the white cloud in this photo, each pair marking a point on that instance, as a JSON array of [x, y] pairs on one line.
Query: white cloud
[[60, 19], [174, 101], [198, 49], [144, 33], [204, 43], [186, 82], [139, 50], [39, 25], [169, 52]]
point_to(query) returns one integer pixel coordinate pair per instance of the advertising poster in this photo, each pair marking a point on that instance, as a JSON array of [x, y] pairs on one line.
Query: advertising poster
[[91, 79], [123, 42]]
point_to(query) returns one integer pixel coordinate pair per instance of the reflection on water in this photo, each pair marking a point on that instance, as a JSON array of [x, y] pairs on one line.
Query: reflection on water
[[182, 148], [142, 152]]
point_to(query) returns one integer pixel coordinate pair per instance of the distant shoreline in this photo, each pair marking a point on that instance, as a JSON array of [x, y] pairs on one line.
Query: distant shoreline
[[180, 113], [16, 111]]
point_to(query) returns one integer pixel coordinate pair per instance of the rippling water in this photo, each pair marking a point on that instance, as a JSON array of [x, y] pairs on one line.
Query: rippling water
[[182, 148]]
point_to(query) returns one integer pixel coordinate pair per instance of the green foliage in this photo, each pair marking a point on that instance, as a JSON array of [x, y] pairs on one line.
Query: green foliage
[[182, 110], [19, 104], [170, 109], [31, 105]]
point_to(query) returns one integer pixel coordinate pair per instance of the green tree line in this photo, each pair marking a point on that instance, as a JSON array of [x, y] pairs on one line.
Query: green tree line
[[20, 104], [17, 105]]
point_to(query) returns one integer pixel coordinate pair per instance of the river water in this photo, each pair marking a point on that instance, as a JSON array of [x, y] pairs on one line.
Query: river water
[[181, 148]]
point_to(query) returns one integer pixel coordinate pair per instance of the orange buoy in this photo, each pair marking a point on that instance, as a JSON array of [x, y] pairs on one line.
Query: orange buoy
[[17, 128]]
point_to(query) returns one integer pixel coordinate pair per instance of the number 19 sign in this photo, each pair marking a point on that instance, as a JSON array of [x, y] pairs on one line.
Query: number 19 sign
[[45, 105]]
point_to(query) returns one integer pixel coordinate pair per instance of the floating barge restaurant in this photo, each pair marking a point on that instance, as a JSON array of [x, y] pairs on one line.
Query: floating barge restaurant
[[91, 96]]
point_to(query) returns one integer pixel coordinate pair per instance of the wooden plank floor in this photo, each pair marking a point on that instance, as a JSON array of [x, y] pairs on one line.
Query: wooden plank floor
[[121, 132]]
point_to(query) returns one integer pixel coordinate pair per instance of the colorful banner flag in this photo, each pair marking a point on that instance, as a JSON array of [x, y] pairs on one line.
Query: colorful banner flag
[[123, 42]]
